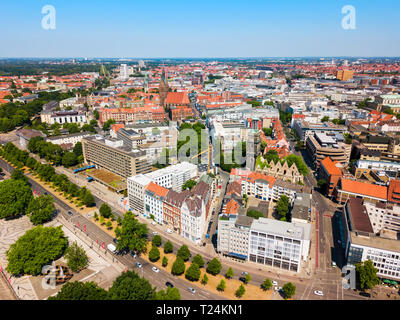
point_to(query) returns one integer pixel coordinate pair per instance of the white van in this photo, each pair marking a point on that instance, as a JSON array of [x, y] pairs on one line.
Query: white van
[[112, 248]]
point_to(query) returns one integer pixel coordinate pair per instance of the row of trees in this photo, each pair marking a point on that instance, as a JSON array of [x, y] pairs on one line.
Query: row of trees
[[128, 286], [47, 173], [54, 153]]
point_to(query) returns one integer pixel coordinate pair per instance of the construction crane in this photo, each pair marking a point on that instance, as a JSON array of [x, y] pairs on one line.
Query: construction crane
[[209, 150]]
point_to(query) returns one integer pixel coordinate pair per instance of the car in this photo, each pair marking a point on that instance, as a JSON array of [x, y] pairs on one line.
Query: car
[[155, 233], [192, 290], [274, 283], [70, 213], [169, 231], [278, 288], [169, 284], [318, 293], [45, 193], [365, 294], [138, 264], [115, 240], [212, 220], [133, 254], [244, 273], [155, 269], [153, 223]]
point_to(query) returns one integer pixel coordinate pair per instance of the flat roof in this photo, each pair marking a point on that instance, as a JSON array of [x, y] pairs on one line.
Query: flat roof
[[282, 228], [375, 242]]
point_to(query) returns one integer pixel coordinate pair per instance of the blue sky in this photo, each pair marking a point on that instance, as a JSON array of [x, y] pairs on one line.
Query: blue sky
[[218, 28]]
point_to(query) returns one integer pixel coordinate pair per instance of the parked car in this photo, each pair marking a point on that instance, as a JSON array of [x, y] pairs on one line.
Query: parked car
[[115, 240], [169, 231], [169, 284], [318, 293], [155, 233], [192, 290], [278, 288], [155, 269], [153, 223], [244, 273], [70, 213], [133, 254], [139, 265], [365, 294], [274, 283]]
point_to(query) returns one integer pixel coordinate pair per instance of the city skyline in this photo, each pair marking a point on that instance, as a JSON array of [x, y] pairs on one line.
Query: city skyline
[[210, 30]]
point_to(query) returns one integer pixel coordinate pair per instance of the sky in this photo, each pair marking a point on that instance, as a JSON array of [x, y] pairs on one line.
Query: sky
[[205, 28]]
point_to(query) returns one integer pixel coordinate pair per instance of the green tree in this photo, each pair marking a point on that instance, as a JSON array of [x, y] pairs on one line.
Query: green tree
[[267, 284], [178, 267], [168, 247], [109, 225], [366, 275], [214, 266], [36, 248], [18, 175], [193, 272], [129, 286], [96, 216], [78, 149], [154, 254], [230, 273], [81, 291], [283, 208], [189, 185], [204, 280], [170, 294], [247, 278], [198, 259], [240, 291], [105, 210], [15, 196], [108, 124], [41, 209], [221, 285], [76, 257], [88, 200], [325, 119], [156, 241], [164, 261], [184, 253], [69, 159], [289, 289], [132, 235], [322, 184], [254, 214]]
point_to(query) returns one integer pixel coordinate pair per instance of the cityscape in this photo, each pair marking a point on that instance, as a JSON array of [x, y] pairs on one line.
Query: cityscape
[[199, 178]]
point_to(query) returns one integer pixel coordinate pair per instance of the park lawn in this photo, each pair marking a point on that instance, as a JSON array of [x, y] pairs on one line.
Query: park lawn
[[252, 292]]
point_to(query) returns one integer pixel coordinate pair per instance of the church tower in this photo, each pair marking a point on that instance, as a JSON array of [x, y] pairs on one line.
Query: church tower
[[163, 89]]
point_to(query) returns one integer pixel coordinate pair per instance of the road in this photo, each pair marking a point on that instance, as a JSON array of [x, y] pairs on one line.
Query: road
[[95, 234]]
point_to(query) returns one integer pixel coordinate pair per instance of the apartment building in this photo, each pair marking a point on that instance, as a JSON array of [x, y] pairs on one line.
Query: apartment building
[[321, 145], [136, 190], [233, 235], [305, 129], [383, 217], [174, 177], [110, 154], [154, 201], [331, 173], [173, 209], [348, 189], [193, 218], [131, 138], [361, 243], [390, 169], [67, 139]]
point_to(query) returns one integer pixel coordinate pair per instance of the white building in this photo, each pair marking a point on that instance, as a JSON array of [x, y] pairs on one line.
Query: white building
[[136, 189], [193, 213], [154, 202], [279, 244], [72, 138]]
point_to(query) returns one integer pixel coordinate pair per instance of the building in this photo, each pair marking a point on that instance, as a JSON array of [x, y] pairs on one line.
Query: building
[[344, 75], [131, 138], [384, 218], [175, 176], [361, 243], [301, 211], [110, 154], [154, 202], [279, 244], [68, 139], [321, 145], [163, 88], [193, 218], [62, 117], [391, 101], [173, 209], [330, 172], [27, 134], [394, 191], [137, 186], [279, 171], [347, 189], [391, 169], [233, 235]]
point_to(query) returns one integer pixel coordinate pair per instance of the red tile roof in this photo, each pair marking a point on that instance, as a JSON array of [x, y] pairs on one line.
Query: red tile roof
[[364, 188], [330, 167], [178, 98], [158, 190]]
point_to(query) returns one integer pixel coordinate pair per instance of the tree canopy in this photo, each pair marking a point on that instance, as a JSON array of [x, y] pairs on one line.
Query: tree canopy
[[15, 196], [366, 275], [129, 286], [184, 253], [41, 209], [76, 257], [81, 291], [214, 266], [132, 235], [36, 248]]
